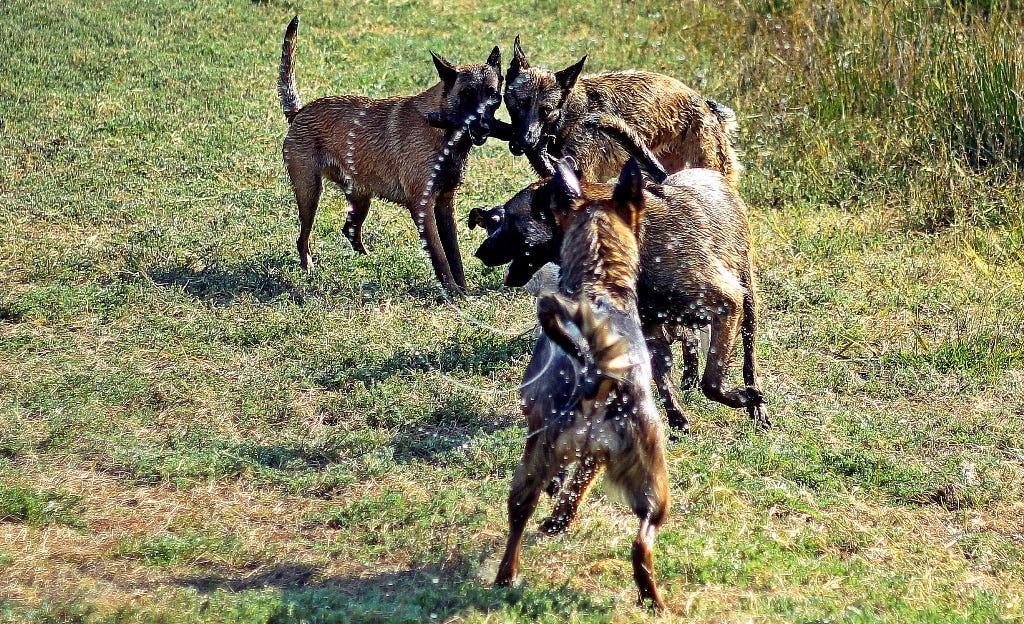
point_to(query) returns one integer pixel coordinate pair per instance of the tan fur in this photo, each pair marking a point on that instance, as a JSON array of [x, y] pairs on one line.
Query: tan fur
[[383, 148], [696, 270], [680, 126], [606, 419]]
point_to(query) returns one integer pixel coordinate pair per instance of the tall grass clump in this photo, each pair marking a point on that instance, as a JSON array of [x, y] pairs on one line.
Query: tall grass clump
[[949, 75]]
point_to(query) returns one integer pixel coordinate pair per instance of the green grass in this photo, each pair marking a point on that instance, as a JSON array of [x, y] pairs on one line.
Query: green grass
[[37, 508], [194, 430]]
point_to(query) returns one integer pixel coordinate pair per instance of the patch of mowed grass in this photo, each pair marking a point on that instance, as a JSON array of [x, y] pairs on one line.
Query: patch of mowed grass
[[39, 508]]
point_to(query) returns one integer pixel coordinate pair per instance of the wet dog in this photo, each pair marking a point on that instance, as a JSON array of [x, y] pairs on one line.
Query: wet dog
[[696, 270], [600, 120], [388, 149], [586, 393]]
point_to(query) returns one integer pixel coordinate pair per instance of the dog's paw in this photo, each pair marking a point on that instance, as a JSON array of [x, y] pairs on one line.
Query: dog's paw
[[759, 414], [554, 525]]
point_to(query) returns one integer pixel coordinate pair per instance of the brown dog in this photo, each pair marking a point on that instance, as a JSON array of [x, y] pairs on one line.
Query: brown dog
[[696, 269], [586, 393], [388, 149], [565, 114]]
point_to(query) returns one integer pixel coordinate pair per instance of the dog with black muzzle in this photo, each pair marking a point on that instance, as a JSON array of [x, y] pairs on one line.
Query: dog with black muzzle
[[601, 120], [696, 271], [389, 149], [586, 392]]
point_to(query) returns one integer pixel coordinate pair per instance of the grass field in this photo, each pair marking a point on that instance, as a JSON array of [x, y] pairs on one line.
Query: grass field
[[193, 430]]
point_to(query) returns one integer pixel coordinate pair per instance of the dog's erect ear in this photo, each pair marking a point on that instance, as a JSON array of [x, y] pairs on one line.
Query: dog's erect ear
[[494, 60], [567, 77], [475, 217], [518, 56], [628, 195], [445, 70], [566, 184], [518, 64]]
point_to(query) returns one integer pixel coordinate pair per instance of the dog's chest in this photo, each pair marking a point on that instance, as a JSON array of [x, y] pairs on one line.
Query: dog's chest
[[450, 166]]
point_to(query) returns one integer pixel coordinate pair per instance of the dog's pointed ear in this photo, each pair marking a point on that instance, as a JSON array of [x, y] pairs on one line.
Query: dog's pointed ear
[[494, 60], [445, 70], [566, 186], [518, 56], [518, 63], [567, 77], [628, 195]]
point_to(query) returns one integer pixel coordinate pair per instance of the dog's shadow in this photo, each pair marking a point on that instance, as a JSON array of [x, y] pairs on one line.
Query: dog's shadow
[[263, 279], [423, 593], [474, 352]]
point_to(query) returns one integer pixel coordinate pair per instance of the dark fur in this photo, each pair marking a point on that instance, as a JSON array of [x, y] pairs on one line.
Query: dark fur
[[565, 114], [388, 149], [586, 393], [696, 269]]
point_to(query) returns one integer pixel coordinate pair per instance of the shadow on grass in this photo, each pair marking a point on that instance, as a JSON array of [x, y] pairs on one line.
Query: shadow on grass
[[476, 352], [262, 279], [420, 594]]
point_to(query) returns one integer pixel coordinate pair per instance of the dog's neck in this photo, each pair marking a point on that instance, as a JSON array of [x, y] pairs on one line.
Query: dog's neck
[[599, 262], [457, 142], [573, 111]]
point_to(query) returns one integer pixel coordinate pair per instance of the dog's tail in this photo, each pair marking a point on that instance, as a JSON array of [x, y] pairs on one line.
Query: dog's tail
[[603, 354], [286, 88], [626, 136], [726, 117], [728, 161]]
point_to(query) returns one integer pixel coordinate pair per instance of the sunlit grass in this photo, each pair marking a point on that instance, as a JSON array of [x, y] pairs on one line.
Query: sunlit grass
[[192, 429]]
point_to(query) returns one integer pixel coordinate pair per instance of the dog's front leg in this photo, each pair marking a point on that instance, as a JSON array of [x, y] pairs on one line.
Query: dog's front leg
[[421, 206], [444, 211]]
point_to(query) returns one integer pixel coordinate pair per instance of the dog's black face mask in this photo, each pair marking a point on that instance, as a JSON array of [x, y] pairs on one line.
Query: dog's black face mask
[[472, 95], [534, 99], [521, 232]]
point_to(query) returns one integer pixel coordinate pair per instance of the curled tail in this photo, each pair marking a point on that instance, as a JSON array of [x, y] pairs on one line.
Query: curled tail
[[726, 116], [626, 136], [730, 163], [603, 354], [286, 88]]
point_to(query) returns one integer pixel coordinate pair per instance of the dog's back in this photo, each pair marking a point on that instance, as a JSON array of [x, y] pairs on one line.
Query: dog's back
[[681, 127]]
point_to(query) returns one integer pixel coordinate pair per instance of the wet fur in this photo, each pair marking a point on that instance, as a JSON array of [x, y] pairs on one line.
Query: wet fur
[[586, 394], [386, 148], [561, 113], [695, 251]]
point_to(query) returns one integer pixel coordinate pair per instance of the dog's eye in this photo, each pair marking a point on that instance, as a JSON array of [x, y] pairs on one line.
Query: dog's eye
[[546, 110]]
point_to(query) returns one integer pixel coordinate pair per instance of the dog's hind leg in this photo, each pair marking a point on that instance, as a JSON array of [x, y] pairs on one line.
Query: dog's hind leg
[[445, 211], [643, 565], [758, 411], [725, 328], [532, 473], [572, 494], [359, 207], [307, 183], [643, 477]]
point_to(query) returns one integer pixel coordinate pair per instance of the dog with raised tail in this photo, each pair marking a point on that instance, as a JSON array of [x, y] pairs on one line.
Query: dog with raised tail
[[586, 394], [388, 149]]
